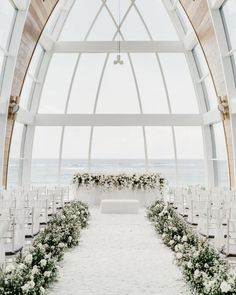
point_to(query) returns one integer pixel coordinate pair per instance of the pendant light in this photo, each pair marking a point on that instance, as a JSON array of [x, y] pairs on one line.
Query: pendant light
[[118, 60]]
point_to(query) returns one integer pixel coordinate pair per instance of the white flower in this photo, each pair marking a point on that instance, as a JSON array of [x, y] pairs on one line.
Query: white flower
[[25, 288], [61, 245], [35, 270], [225, 287], [195, 254], [10, 268], [171, 242], [42, 290], [189, 264], [48, 256], [28, 259], [184, 239], [43, 262], [196, 274], [21, 266], [47, 274], [179, 255], [177, 248], [31, 284], [28, 286]]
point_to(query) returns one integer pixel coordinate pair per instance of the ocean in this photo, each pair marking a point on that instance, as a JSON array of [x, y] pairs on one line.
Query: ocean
[[45, 171]]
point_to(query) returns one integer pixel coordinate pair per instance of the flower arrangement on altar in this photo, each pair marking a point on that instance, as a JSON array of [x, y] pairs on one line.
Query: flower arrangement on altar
[[202, 266], [110, 182], [36, 268]]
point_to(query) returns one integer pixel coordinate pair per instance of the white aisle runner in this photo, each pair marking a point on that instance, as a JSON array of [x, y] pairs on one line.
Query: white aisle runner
[[119, 255]]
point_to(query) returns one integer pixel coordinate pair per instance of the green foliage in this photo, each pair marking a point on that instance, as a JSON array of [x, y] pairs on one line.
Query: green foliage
[[36, 269], [202, 265]]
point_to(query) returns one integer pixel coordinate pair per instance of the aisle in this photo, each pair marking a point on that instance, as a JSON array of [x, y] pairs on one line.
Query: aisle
[[119, 255]]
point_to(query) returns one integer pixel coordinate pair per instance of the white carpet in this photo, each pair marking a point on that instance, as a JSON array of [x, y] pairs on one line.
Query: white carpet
[[119, 255]]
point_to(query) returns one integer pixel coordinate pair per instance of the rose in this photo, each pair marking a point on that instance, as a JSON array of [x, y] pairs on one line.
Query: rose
[[10, 268], [171, 242], [196, 274], [47, 274], [225, 287], [35, 270], [28, 259], [43, 263], [189, 264], [179, 255], [61, 245], [184, 239]]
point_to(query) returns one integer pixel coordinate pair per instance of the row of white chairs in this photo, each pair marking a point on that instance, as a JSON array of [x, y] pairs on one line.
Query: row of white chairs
[[23, 212], [212, 211]]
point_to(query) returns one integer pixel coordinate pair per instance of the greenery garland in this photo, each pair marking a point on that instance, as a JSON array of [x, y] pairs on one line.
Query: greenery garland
[[36, 269], [202, 265], [110, 182]]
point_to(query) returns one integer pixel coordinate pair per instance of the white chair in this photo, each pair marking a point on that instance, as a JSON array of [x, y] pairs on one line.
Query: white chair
[[65, 191], [40, 189], [56, 200], [15, 236], [32, 219], [210, 221], [230, 241]]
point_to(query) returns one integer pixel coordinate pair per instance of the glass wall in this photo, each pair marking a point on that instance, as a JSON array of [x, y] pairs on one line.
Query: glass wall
[[31, 78], [57, 83], [118, 149], [7, 18], [205, 78], [190, 155], [146, 83], [228, 12], [161, 151], [91, 83], [220, 156], [45, 157], [75, 152], [15, 159]]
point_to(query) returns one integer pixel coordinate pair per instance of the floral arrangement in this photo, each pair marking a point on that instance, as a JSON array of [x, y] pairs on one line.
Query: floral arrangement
[[109, 182], [36, 268], [202, 265]]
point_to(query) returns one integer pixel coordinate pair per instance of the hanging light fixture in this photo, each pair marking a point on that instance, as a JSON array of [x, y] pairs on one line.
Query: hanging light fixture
[[118, 59]]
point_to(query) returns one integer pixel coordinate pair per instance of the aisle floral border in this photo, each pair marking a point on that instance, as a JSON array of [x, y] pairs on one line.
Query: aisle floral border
[[202, 265], [36, 268], [110, 182]]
